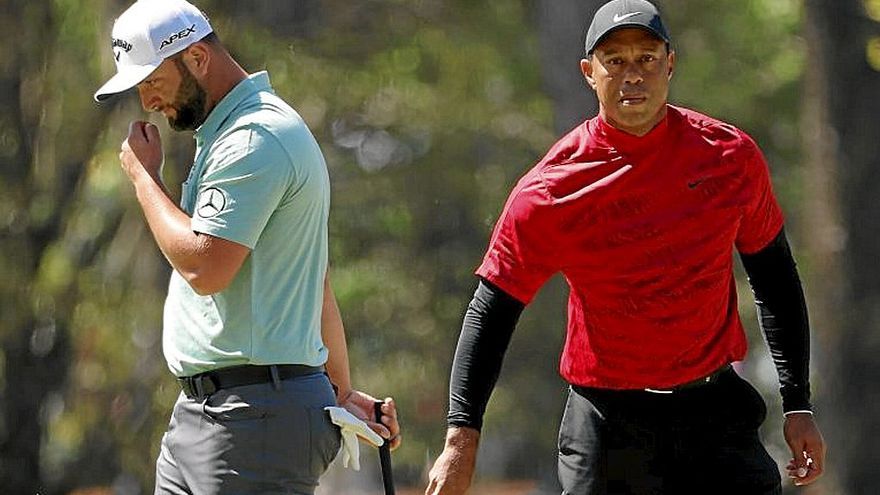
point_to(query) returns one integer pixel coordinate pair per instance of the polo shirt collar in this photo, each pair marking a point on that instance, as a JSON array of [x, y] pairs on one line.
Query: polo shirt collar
[[252, 84]]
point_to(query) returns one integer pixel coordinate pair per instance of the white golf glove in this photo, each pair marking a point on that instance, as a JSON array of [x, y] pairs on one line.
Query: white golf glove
[[351, 428]]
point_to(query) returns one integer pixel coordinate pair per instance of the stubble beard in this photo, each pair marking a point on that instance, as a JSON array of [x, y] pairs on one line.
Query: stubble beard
[[189, 102]]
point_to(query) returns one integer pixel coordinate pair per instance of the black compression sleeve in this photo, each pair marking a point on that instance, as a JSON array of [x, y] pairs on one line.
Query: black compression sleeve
[[782, 313], [485, 333]]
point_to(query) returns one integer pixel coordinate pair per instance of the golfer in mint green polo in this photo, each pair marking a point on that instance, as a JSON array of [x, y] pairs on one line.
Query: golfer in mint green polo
[[251, 326], [258, 180]]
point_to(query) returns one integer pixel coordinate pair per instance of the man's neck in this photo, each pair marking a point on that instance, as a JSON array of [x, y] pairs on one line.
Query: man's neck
[[226, 76]]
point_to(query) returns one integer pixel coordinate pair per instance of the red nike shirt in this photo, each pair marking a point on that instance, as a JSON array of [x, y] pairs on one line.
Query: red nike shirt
[[643, 229]]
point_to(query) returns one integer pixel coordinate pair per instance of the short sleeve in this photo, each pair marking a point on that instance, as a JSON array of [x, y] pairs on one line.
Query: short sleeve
[[520, 257], [246, 175], [762, 216]]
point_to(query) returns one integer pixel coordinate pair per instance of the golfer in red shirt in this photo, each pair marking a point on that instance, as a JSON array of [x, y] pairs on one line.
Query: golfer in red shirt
[[640, 208]]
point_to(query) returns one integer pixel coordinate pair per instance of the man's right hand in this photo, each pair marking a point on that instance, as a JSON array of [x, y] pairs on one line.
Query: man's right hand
[[454, 469], [142, 151]]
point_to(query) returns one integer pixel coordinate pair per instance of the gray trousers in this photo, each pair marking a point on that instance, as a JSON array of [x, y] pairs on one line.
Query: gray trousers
[[251, 439]]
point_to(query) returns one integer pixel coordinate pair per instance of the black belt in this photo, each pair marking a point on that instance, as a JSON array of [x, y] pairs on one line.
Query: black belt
[[699, 382], [204, 384], [713, 377]]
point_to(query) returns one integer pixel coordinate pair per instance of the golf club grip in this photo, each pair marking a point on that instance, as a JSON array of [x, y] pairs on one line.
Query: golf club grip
[[384, 455]]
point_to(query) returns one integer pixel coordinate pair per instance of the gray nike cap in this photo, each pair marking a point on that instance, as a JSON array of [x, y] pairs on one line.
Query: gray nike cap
[[618, 14]]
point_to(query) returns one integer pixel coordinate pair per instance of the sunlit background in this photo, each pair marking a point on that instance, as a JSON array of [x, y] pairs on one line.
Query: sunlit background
[[427, 112]]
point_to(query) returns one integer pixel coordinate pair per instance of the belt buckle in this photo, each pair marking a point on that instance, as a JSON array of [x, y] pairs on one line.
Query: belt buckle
[[206, 384], [195, 387], [186, 383]]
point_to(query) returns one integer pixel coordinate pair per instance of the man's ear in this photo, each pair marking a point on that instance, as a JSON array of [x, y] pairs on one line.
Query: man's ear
[[670, 60], [197, 58], [587, 71]]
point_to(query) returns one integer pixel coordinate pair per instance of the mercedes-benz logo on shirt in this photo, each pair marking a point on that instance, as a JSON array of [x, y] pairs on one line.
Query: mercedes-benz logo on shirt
[[211, 202]]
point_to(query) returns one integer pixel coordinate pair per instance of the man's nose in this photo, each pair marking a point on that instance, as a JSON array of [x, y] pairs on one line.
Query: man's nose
[[632, 73]]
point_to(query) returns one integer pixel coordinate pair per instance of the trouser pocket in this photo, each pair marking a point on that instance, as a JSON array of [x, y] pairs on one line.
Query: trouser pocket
[[325, 440]]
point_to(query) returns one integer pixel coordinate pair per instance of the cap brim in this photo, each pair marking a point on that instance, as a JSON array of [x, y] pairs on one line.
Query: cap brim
[[125, 79]]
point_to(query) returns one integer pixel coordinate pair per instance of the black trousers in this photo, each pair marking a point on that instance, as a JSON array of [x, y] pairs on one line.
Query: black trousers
[[702, 440]]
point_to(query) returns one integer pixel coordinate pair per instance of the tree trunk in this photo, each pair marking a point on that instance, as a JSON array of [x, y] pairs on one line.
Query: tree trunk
[[562, 26], [843, 167]]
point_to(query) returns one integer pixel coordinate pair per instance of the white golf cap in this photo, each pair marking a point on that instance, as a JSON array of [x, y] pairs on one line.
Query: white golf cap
[[146, 34]]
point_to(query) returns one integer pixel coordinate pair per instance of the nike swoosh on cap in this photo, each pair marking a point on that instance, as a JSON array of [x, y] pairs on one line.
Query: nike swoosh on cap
[[618, 18]]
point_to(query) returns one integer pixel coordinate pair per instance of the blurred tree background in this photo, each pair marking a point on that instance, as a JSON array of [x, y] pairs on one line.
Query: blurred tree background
[[427, 112]]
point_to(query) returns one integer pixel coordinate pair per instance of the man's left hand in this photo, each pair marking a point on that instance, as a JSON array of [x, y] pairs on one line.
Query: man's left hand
[[807, 448], [361, 405]]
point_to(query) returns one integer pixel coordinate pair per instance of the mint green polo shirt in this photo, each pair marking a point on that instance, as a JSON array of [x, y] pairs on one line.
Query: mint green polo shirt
[[259, 179]]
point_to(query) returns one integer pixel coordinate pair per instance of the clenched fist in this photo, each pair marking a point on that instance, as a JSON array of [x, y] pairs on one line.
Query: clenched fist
[[142, 151]]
